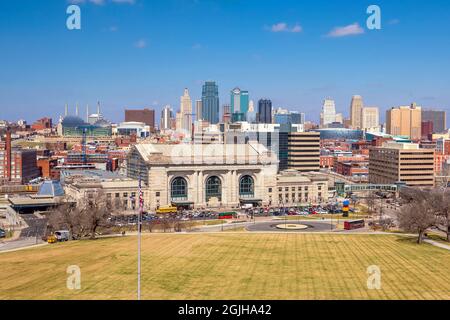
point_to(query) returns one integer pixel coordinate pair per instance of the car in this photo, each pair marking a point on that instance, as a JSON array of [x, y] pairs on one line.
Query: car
[[2, 233]]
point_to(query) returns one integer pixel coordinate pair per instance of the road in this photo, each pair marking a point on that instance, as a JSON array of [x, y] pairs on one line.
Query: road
[[29, 236]]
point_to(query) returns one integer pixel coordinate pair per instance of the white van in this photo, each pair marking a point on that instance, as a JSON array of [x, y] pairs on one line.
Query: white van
[[62, 235]]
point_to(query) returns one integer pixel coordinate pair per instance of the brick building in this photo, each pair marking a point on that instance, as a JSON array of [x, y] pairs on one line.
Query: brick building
[[146, 116]]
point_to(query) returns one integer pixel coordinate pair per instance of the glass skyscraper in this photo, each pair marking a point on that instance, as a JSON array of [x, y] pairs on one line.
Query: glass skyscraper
[[239, 104], [264, 111], [210, 102]]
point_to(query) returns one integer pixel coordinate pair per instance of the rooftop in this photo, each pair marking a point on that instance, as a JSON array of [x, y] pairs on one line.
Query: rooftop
[[211, 153]]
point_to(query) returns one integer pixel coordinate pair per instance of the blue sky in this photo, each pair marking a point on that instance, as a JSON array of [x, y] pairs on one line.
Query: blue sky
[[136, 53]]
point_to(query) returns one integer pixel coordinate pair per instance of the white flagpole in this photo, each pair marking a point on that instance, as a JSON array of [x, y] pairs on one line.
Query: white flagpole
[[139, 241]]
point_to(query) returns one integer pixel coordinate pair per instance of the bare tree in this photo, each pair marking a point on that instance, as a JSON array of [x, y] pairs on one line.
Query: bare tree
[[152, 225], [371, 203], [419, 214], [96, 211], [441, 204], [386, 224], [67, 216]]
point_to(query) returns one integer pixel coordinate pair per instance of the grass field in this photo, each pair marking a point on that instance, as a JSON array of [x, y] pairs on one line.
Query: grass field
[[231, 266]]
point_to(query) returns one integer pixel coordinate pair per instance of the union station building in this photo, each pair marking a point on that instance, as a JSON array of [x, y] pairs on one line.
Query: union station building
[[204, 176]]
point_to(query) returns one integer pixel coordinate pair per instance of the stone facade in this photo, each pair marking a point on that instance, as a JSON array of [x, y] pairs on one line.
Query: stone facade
[[204, 176]]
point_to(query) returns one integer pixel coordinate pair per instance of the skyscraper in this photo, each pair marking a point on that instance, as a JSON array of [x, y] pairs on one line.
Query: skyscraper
[[198, 109], [264, 111], [328, 114], [437, 117], [166, 118], [405, 121], [210, 102], [297, 117], [370, 118], [251, 114], [356, 107], [186, 111], [239, 104]]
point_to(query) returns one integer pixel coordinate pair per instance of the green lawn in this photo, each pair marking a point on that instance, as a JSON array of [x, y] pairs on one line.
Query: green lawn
[[231, 266]]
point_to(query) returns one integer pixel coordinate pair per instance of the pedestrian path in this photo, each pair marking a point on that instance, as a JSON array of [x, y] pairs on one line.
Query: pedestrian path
[[437, 244]]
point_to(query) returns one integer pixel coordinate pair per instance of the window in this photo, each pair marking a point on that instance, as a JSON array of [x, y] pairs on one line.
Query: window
[[117, 195], [247, 187], [178, 189], [270, 190], [158, 194], [213, 188]]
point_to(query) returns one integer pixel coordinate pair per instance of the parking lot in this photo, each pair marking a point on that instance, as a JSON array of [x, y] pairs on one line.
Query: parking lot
[[201, 215]]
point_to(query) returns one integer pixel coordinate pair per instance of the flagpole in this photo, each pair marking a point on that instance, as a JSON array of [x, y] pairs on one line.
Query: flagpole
[[139, 241]]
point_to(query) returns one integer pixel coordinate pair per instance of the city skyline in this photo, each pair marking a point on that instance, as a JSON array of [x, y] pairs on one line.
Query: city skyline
[[121, 56]]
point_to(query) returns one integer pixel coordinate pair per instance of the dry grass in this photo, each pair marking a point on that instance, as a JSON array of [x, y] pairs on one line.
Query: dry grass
[[231, 266]]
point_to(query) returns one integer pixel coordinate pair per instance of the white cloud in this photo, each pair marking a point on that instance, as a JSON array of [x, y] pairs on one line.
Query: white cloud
[[140, 44], [297, 28], [350, 30], [283, 27]]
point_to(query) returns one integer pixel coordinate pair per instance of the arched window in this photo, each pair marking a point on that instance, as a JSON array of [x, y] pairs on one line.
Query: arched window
[[213, 188], [247, 187], [179, 189]]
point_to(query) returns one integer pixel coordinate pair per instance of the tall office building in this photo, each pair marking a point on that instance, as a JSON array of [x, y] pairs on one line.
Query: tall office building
[[404, 162], [239, 104], [356, 107], [297, 117], [405, 121], [328, 114], [370, 118], [166, 118], [251, 114], [437, 117], [226, 115], [186, 111], [264, 111], [146, 116], [198, 109], [304, 151], [210, 102]]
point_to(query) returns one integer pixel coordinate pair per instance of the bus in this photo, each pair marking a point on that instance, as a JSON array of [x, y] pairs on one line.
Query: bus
[[167, 210], [355, 224], [227, 215]]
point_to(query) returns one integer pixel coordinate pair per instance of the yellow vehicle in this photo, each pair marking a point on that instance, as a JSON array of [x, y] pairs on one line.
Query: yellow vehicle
[[167, 210], [52, 239]]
